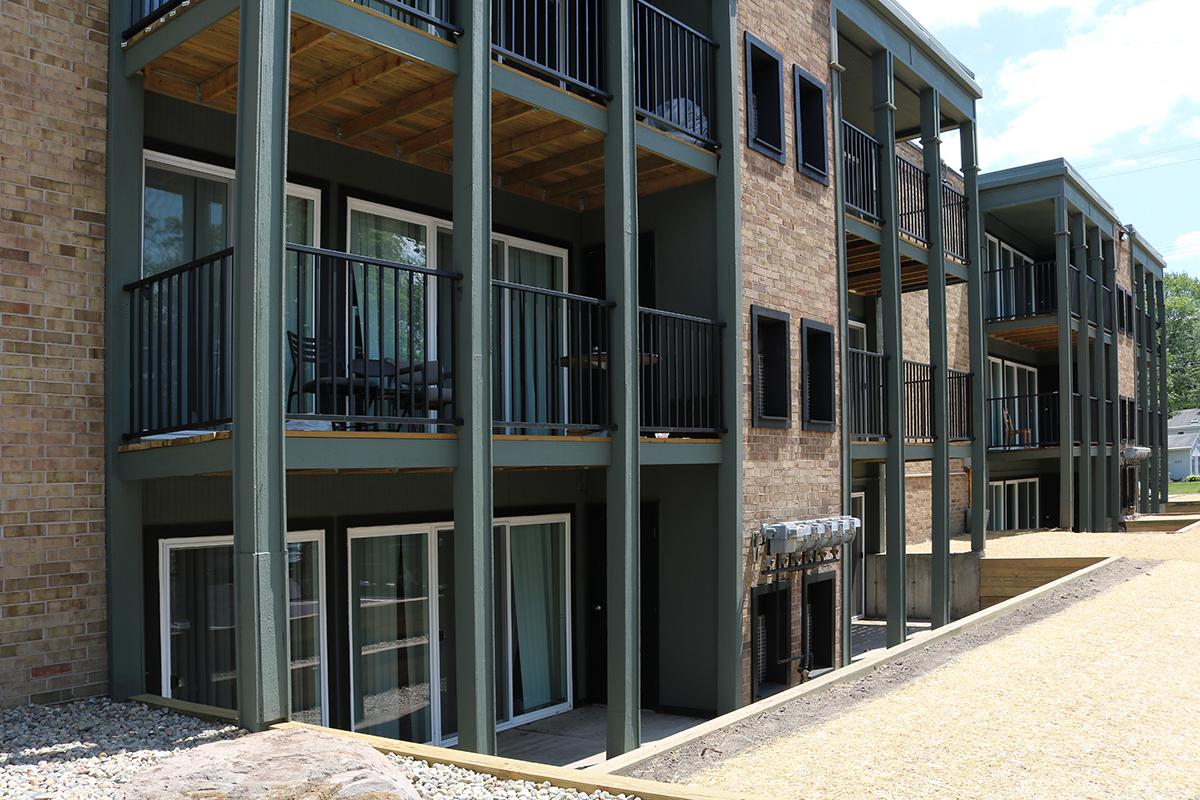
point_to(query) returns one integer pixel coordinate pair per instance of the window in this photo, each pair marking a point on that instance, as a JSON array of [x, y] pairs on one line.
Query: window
[[811, 155], [817, 375], [198, 630], [771, 368], [764, 98], [1120, 310], [1013, 505]]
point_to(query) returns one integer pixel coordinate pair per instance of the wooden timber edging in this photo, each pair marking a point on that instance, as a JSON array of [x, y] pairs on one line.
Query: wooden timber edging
[[512, 769], [191, 709], [634, 758], [1003, 578]]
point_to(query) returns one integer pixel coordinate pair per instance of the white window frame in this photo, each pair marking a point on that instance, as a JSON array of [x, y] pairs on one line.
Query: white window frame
[[855, 325], [166, 546], [204, 169], [431, 530], [1009, 373], [1001, 522]]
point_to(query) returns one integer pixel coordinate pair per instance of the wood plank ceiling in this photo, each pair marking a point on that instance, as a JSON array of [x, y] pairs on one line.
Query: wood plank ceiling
[[349, 91]]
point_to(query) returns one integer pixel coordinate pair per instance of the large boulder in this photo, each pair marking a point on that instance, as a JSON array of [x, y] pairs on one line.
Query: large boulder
[[286, 764]]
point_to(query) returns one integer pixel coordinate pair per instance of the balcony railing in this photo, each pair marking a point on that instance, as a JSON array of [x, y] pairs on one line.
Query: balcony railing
[[369, 342], [436, 17], [918, 401], [675, 74], [1023, 421], [954, 222], [680, 366], [860, 169], [179, 347], [1106, 298], [561, 42], [866, 380], [958, 405], [1020, 290], [912, 194]]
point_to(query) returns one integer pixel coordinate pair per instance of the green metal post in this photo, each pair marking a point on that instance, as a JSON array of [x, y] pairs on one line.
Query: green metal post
[[977, 336], [931, 148], [1143, 381], [122, 499], [474, 634], [892, 338], [730, 523], [259, 502], [621, 270], [1157, 455], [1096, 267], [1066, 437], [1160, 353], [1113, 474], [1083, 365], [835, 84]]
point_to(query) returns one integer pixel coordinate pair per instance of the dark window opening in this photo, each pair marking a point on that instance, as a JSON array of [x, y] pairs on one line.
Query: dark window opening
[[817, 373], [770, 639], [771, 368], [811, 154], [818, 623], [764, 98]]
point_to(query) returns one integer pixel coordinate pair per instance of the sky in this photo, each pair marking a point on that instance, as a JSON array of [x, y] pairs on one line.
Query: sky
[[1111, 85]]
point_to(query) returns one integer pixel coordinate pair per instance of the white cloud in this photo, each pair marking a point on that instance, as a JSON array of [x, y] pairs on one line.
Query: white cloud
[[1191, 128], [1126, 71], [941, 14]]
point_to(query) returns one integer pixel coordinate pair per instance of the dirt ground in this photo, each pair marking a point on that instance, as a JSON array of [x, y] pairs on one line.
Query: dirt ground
[[1093, 691]]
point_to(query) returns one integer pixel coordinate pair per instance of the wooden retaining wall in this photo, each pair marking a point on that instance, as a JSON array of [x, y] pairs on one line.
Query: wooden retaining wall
[[1003, 578]]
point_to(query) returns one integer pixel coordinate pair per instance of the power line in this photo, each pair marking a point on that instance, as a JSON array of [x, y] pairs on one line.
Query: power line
[[1143, 169], [1119, 159]]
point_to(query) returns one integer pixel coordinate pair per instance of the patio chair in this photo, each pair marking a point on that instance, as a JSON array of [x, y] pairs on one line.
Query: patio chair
[[1012, 433], [314, 365]]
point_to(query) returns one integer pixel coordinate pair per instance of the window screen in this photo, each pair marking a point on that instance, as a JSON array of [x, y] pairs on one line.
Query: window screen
[[771, 368], [811, 157], [818, 381], [764, 98]]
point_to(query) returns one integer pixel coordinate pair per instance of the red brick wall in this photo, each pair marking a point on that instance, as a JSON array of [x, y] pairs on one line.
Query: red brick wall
[[789, 263], [53, 64]]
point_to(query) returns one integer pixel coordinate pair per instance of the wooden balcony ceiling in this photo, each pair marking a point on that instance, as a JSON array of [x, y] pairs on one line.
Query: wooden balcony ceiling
[[1036, 337], [352, 92], [862, 265]]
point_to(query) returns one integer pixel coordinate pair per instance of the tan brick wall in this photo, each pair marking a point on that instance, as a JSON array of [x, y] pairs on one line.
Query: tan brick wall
[[1126, 352], [53, 64], [789, 263], [918, 500]]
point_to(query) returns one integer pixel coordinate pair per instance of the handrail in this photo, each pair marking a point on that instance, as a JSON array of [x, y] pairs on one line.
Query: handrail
[[375, 262], [582, 298], [173, 271], [658, 312]]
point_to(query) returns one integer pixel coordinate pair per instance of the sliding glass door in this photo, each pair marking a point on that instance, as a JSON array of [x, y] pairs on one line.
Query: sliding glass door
[[198, 626], [402, 589]]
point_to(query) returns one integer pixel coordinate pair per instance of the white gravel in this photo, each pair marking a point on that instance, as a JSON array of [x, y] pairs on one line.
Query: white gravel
[[447, 782], [91, 749]]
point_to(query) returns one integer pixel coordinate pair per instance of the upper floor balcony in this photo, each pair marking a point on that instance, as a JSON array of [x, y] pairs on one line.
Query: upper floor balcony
[[560, 42], [869, 390], [370, 344], [1031, 421], [1018, 288]]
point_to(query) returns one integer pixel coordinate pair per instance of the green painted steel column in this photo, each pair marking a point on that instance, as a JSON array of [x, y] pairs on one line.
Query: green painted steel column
[[835, 92], [1096, 266], [1083, 364], [1113, 475], [259, 501], [892, 337], [474, 621], [123, 248], [1066, 437], [1143, 382], [1156, 453], [931, 148], [977, 336], [1160, 302], [728, 254], [621, 281]]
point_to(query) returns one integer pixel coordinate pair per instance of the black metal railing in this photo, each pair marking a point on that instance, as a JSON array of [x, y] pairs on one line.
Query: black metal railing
[[675, 75], [1106, 299], [179, 347], [860, 168], [432, 16], [1023, 421], [954, 222], [144, 13], [918, 401], [550, 361], [1020, 290], [958, 405], [560, 41], [866, 382], [912, 194], [369, 343], [680, 362], [1075, 284]]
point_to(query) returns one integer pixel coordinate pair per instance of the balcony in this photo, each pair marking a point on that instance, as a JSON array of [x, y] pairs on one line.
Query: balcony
[[861, 164], [562, 42], [868, 393], [369, 346], [1030, 421]]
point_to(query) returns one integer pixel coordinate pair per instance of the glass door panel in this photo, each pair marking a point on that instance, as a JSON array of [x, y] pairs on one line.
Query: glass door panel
[[391, 665], [201, 639], [185, 216], [448, 690], [305, 630], [538, 617], [858, 509], [390, 311]]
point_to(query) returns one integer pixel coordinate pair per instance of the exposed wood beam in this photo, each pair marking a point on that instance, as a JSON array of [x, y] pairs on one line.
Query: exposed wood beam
[[591, 180], [361, 75], [435, 136], [411, 104], [572, 158], [531, 139], [303, 38]]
